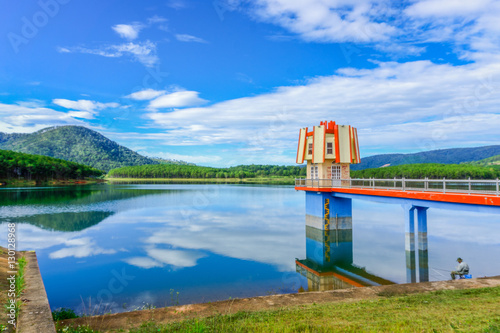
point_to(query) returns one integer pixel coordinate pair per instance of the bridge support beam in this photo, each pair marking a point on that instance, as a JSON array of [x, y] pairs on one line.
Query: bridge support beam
[[410, 251], [411, 275], [423, 255]]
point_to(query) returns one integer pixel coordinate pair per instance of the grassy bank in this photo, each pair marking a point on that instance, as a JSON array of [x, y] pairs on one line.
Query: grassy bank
[[468, 310], [257, 180]]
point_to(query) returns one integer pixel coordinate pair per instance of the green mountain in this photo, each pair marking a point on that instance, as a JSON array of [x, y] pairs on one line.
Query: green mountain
[[494, 160], [74, 143], [443, 156]]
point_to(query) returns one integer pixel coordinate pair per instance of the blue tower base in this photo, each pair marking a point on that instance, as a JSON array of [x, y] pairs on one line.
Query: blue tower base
[[327, 212]]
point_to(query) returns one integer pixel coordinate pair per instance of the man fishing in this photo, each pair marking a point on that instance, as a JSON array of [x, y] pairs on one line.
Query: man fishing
[[462, 269]]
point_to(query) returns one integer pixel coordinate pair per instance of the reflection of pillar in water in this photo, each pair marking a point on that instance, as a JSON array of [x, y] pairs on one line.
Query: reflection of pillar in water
[[325, 250], [329, 248], [410, 244], [423, 256]]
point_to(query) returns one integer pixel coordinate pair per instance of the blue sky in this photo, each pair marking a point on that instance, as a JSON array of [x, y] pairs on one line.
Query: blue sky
[[229, 82]]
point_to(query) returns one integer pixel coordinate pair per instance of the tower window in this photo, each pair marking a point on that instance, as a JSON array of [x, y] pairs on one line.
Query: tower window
[[329, 148], [310, 149]]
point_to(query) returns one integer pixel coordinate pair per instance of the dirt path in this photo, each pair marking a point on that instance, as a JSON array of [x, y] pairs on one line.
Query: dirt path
[[128, 320]]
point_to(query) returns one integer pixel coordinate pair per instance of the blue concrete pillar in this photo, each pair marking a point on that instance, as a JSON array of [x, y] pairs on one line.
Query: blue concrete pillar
[[423, 255], [411, 276], [327, 212]]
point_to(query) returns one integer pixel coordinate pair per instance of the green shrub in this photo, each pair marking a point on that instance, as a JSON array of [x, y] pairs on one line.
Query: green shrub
[[63, 313]]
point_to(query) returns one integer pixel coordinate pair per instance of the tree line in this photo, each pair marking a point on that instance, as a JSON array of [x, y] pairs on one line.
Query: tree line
[[38, 167], [193, 171], [429, 170]]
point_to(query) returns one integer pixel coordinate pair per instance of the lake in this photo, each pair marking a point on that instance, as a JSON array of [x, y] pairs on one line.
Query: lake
[[113, 248]]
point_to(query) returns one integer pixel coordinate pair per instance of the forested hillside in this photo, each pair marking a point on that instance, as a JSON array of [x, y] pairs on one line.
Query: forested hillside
[[193, 171], [37, 167], [445, 156], [77, 144], [493, 161], [431, 171]]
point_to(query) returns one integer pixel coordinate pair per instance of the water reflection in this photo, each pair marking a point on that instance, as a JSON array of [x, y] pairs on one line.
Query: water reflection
[[206, 242], [67, 221], [329, 262], [213, 242]]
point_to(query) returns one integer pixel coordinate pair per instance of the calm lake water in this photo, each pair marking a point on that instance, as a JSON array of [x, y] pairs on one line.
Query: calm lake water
[[123, 247]]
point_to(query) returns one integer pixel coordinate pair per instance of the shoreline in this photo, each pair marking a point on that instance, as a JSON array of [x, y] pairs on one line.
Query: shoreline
[[12, 183], [9, 183], [269, 181]]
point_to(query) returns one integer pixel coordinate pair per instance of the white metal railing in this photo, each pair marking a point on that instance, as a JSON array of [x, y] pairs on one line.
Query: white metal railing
[[434, 185]]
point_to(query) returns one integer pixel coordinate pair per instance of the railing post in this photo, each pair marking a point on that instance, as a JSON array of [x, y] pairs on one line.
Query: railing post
[[469, 186], [394, 182], [426, 183], [403, 183], [373, 183], [497, 188], [444, 185]]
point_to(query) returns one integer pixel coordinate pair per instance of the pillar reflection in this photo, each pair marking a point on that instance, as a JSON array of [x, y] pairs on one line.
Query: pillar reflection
[[329, 262]]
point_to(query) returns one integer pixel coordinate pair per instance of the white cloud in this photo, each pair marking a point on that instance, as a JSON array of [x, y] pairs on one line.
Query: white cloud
[[128, 31], [329, 21], [428, 8], [406, 103], [176, 100], [156, 19], [143, 262], [176, 4], [80, 248], [81, 114], [146, 94], [84, 105], [63, 49], [177, 258], [26, 118], [162, 257], [32, 103], [189, 38], [274, 242], [85, 109], [387, 25], [144, 52]]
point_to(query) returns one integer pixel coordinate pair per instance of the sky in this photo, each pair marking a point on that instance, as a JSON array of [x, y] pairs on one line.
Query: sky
[[229, 82]]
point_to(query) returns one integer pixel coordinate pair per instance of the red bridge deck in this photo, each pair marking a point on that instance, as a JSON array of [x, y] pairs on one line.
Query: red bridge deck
[[476, 192]]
